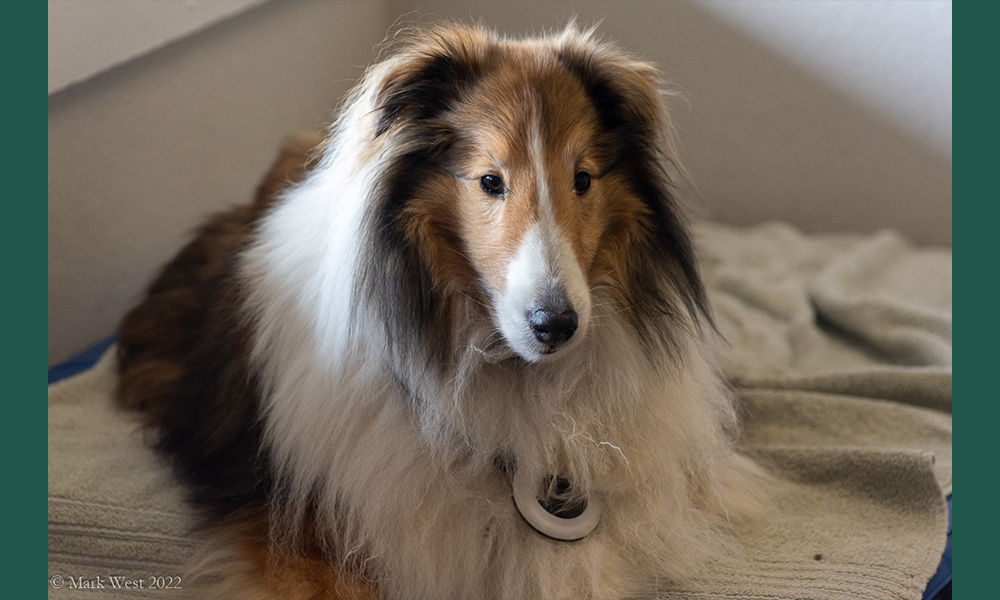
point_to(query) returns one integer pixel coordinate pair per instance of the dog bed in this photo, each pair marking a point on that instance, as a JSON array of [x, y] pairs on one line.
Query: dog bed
[[838, 346]]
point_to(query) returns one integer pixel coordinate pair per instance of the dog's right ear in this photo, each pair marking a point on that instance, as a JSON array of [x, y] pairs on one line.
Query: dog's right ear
[[422, 79], [412, 89]]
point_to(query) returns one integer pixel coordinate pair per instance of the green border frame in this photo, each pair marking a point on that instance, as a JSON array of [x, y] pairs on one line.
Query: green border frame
[[24, 228], [975, 48]]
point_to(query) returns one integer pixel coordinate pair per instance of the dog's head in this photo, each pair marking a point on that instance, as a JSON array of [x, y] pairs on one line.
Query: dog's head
[[525, 175]]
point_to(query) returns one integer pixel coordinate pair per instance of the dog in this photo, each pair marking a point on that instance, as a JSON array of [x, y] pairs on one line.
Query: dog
[[456, 348]]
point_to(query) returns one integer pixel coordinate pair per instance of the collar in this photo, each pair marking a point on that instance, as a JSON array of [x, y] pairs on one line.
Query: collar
[[551, 514]]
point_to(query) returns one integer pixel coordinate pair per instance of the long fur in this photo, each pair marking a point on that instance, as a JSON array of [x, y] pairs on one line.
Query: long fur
[[325, 369]]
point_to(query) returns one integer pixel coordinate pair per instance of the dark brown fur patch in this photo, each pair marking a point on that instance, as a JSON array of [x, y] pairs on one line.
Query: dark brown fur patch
[[182, 355]]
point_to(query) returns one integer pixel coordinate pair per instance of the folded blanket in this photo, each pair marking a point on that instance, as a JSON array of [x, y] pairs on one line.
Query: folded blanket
[[839, 347]]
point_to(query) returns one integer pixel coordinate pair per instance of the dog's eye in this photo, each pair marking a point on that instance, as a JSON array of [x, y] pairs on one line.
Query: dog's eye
[[581, 182], [492, 185]]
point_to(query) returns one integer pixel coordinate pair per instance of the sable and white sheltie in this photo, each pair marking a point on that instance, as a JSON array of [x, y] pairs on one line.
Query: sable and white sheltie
[[481, 276]]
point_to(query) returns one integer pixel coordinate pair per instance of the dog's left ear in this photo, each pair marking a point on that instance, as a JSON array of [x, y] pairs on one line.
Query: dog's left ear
[[626, 94], [423, 79]]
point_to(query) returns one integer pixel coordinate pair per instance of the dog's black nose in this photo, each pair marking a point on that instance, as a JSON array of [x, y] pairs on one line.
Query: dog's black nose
[[553, 328]]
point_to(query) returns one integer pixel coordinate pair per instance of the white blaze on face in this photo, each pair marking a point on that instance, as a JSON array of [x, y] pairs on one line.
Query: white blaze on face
[[544, 275]]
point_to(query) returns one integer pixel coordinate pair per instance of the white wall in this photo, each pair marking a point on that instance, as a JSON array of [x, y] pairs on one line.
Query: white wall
[[893, 57], [87, 37]]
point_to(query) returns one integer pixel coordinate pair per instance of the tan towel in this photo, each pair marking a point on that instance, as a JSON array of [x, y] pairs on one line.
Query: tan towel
[[114, 508], [840, 347]]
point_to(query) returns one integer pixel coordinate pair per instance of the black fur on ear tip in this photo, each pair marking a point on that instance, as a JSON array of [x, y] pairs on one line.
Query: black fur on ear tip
[[424, 86]]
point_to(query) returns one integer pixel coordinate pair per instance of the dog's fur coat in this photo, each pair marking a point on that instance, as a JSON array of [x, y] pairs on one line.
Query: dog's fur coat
[[342, 375]]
